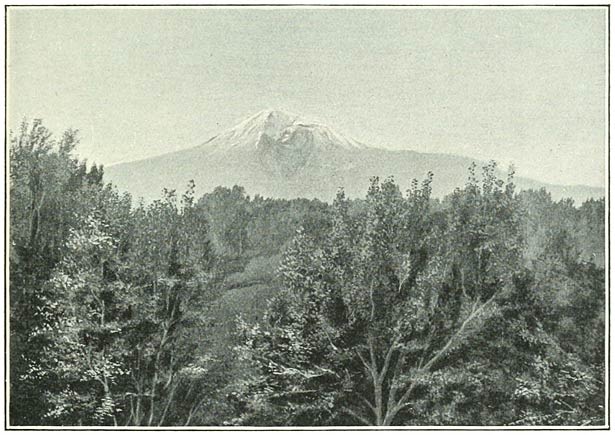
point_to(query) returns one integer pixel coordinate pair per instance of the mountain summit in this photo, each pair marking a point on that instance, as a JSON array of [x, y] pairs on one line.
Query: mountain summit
[[270, 123], [279, 154], [274, 128]]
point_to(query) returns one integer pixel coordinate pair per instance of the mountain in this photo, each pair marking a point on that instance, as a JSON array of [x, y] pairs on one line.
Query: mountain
[[281, 155]]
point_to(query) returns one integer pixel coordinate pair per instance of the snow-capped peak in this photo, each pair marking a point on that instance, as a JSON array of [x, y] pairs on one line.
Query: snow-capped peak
[[269, 122], [283, 128]]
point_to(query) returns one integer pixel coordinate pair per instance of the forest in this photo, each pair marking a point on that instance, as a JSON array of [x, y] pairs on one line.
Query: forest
[[485, 307]]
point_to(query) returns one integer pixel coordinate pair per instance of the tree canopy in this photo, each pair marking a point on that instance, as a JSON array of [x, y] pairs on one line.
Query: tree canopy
[[485, 307]]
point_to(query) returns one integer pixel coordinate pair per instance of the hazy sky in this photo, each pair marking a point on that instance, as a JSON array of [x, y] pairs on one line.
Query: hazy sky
[[520, 85]]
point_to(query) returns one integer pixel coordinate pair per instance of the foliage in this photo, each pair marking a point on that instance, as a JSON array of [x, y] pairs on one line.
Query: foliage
[[49, 190], [384, 322], [484, 308]]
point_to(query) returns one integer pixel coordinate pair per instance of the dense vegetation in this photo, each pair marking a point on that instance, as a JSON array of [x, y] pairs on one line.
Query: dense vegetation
[[483, 308]]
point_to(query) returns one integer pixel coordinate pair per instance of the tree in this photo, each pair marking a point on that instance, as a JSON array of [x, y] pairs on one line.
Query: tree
[[46, 201], [227, 208], [105, 300], [171, 262], [368, 320], [565, 382], [87, 350]]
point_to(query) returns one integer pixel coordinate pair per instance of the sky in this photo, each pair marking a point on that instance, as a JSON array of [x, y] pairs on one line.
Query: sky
[[522, 86]]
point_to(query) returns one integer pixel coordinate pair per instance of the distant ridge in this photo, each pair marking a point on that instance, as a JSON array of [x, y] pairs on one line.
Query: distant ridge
[[278, 154]]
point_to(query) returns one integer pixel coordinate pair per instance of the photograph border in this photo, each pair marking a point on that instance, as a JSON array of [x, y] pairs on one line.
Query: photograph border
[[300, 5]]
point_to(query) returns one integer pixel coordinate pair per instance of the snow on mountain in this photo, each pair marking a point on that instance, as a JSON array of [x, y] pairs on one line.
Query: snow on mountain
[[283, 129], [249, 131]]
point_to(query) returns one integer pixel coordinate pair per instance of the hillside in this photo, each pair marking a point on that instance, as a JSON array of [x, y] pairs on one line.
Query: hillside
[[280, 155]]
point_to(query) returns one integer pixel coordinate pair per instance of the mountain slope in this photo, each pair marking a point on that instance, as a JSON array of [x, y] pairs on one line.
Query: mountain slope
[[278, 154]]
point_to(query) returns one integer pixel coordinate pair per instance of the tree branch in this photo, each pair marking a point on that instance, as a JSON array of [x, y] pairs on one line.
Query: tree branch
[[357, 416], [391, 413], [365, 364], [387, 358], [461, 329]]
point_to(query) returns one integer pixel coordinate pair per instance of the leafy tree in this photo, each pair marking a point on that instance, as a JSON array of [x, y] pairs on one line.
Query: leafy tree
[[104, 299], [87, 351], [47, 199], [171, 262], [228, 209], [368, 320], [544, 217]]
